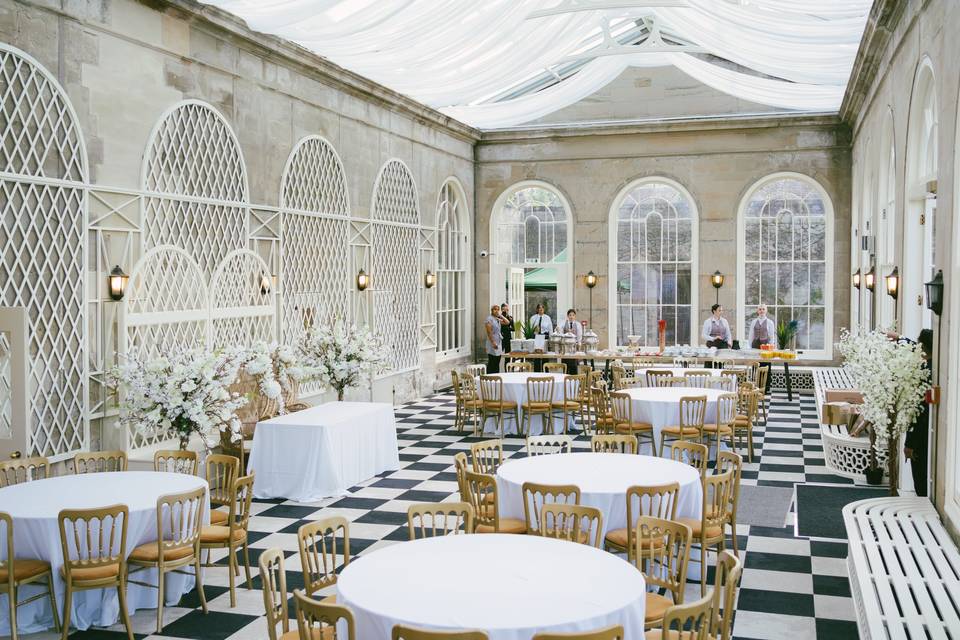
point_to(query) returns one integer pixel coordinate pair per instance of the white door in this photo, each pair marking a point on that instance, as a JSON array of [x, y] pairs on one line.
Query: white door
[[516, 294], [14, 395]]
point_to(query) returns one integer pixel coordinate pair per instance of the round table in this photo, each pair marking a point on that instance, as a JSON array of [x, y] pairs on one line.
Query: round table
[[660, 406], [34, 507], [510, 586], [603, 479], [515, 390]]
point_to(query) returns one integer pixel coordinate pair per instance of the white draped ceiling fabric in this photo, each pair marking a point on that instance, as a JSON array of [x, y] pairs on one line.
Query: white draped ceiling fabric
[[471, 59]]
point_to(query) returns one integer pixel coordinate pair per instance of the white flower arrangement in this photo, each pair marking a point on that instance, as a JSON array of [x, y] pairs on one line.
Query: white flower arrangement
[[340, 355], [181, 394]]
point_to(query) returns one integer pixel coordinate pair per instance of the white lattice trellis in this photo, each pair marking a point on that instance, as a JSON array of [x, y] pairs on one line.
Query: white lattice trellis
[[42, 247], [242, 310], [396, 268], [195, 175]]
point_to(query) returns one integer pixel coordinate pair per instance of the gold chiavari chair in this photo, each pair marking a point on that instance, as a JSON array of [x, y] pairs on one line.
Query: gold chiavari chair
[[763, 374], [672, 381], [613, 443], [472, 404], [697, 380], [179, 519], [475, 370], [729, 569], [692, 453], [482, 491], [318, 620], [657, 502], [690, 621], [23, 470], [740, 373], [708, 530], [539, 403], [584, 370], [623, 422], [536, 495], [721, 383], [321, 543], [617, 371], [602, 411], [486, 457], [571, 405], [16, 572], [431, 519], [628, 382], [175, 461], [222, 471], [698, 372], [746, 415], [232, 535], [94, 546], [607, 633], [662, 552], [519, 366], [726, 414], [99, 462], [493, 404], [549, 445], [654, 375], [460, 467], [403, 632], [573, 522], [274, 579], [586, 399], [554, 367], [693, 409], [730, 461]]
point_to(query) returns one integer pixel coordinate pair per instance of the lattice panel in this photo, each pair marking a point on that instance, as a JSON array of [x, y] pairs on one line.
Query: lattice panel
[[314, 180], [193, 154], [396, 280], [241, 301], [395, 195], [6, 387]]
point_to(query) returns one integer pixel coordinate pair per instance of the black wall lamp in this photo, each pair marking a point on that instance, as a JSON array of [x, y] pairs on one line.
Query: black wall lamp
[[934, 290], [717, 281], [363, 280], [117, 283]]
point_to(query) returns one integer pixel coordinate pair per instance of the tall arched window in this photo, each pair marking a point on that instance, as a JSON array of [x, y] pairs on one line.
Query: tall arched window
[[653, 231], [886, 234], [531, 264], [452, 254], [786, 229]]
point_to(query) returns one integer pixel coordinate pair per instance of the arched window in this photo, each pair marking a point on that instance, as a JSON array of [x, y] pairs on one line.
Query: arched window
[[886, 233], [785, 229], [653, 227], [531, 264], [452, 254]]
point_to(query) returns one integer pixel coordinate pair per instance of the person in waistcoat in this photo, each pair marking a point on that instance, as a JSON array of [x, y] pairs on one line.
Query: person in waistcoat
[[494, 340], [506, 327], [762, 331], [716, 329], [572, 325], [542, 326]]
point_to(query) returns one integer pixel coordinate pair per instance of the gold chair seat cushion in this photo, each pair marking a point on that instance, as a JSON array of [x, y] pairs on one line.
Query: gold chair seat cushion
[[24, 570], [676, 430], [712, 428], [657, 634], [537, 406], [657, 606], [472, 404], [92, 573], [218, 517], [568, 405], [631, 427], [583, 537], [713, 531], [219, 533], [619, 538], [316, 634], [150, 552], [506, 404], [507, 525]]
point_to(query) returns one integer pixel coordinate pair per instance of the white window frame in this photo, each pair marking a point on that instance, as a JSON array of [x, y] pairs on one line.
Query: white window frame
[[809, 354], [613, 263], [886, 234], [461, 235]]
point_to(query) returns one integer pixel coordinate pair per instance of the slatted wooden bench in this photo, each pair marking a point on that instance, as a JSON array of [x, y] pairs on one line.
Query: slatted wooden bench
[[843, 454], [904, 570]]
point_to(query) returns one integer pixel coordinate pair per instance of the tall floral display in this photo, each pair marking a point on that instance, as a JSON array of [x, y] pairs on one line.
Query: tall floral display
[[341, 355], [893, 380], [185, 393]]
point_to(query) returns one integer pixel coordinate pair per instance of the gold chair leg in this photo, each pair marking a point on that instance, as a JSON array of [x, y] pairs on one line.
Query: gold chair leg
[[53, 602], [67, 603], [12, 597], [124, 614], [703, 569], [200, 591], [233, 588], [733, 528], [246, 565], [159, 599]]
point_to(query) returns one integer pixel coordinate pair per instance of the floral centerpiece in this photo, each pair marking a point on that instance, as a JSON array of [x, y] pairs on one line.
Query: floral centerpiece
[[185, 393], [340, 355], [277, 371], [893, 380]]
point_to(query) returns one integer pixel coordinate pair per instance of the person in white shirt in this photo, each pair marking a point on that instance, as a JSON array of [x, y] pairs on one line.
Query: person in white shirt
[[762, 330], [572, 325], [716, 329], [541, 322]]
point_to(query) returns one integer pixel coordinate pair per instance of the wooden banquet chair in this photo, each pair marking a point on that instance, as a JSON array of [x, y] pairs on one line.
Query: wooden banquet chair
[[460, 468], [693, 621], [607, 633], [571, 404], [434, 519], [468, 403], [613, 443], [99, 462], [487, 456], [730, 461], [493, 404], [654, 376], [23, 470], [475, 370], [693, 410], [722, 383], [726, 583], [658, 501], [274, 583], [549, 444], [482, 493], [662, 551], [175, 461], [600, 408], [692, 453], [232, 535], [16, 572], [222, 471], [404, 632], [94, 560], [621, 405], [321, 543], [697, 380], [536, 495], [708, 530], [726, 416], [519, 366], [617, 371], [554, 367], [179, 520], [572, 522], [539, 402], [763, 375], [746, 417], [318, 620]]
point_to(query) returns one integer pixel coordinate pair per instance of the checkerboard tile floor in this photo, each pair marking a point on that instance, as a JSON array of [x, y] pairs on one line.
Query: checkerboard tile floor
[[791, 588]]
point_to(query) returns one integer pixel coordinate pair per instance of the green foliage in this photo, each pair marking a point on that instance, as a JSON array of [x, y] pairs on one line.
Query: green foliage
[[526, 329], [786, 332]]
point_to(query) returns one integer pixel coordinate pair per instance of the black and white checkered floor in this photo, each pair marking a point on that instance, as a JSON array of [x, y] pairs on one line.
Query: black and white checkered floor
[[791, 588]]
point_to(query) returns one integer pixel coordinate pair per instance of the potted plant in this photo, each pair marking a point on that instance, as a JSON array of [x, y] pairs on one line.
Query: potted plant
[[340, 355], [786, 332]]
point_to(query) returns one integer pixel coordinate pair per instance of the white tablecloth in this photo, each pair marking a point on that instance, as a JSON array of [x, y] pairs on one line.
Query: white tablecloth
[[322, 451], [603, 479], [515, 389], [34, 507], [660, 406], [681, 371], [509, 586]]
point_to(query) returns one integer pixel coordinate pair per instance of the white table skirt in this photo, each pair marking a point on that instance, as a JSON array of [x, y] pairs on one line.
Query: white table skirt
[[515, 390], [509, 586], [660, 406], [322, 451], [35, 506], [603, 479]]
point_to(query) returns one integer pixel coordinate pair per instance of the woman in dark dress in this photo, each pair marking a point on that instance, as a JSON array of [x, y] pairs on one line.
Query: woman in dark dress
[[916, 443]]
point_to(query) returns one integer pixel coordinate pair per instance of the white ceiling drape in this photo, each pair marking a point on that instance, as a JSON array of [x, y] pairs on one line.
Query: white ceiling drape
[[460, 55]]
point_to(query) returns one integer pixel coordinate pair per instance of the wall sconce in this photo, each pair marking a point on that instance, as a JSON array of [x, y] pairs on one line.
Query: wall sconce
[[856, 279], [363, 280], [429, 279], [717, 281], [591, 279], [893, 283], [265, 285], [935, 293], [870, 279], [117, 283]]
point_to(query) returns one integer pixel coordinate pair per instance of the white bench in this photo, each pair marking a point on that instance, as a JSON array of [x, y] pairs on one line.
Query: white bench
[[843, 454], [904, 570]]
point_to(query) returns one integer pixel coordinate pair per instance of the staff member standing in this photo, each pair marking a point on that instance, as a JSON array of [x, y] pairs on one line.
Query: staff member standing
[[716, 329], [542, 326], [761, 330], [572, 326], [506, 327], [494, 341], [916, 444]]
